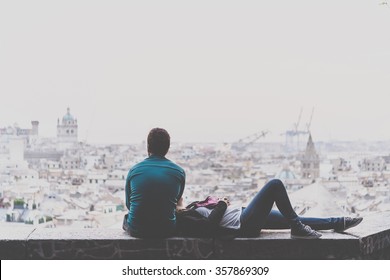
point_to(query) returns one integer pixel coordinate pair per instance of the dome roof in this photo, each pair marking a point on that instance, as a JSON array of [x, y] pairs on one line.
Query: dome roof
[[286, 173], [68, 116]]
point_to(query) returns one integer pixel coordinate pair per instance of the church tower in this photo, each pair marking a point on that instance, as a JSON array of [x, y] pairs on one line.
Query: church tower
[[310, 161], [67, 130]]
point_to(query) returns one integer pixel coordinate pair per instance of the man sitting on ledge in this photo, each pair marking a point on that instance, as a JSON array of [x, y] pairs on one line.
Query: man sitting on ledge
[[153, 188]]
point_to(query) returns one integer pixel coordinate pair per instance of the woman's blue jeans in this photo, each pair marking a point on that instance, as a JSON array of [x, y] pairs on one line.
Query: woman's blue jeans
[[259, 214], [275, 220]]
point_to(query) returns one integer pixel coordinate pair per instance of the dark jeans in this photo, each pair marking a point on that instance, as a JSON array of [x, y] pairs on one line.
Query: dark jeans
[[275, 220], [258, 215]]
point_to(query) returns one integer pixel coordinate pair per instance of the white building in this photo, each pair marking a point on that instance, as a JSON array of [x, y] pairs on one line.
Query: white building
[[376, 164], [71, 162]]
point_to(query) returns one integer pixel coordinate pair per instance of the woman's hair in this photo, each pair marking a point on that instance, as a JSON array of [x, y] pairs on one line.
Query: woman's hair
[[158, 142]]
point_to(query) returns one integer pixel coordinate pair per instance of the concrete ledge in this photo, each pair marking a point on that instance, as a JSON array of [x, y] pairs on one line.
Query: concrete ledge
[[279, 245], [370, 240]]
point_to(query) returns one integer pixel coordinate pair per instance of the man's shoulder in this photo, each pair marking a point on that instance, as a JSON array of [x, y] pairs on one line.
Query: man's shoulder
[[175, 165], [139, 164], [160, 162]]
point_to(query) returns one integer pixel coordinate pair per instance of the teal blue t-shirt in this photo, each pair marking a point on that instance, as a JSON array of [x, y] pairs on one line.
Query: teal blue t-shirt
[[153, 188]]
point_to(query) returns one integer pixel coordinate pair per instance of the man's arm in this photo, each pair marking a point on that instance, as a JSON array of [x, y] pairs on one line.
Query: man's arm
[[128, 191], [182, 186]]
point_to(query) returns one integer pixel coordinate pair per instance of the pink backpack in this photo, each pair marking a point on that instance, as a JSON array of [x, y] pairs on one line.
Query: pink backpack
[[209, 202]]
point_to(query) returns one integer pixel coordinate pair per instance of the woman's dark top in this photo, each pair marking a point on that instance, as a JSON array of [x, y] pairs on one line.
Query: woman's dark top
[[192, 224]]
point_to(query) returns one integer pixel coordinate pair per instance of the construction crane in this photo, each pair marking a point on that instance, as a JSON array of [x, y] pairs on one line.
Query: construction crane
[[296, 125], [242, 143], [295, 132], [309, 123]]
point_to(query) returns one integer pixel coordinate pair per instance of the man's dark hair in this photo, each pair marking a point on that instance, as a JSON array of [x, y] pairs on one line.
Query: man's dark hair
[[158, 142]]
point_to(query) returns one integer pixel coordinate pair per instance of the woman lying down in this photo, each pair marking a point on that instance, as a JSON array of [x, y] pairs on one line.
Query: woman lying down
[[213, 217]]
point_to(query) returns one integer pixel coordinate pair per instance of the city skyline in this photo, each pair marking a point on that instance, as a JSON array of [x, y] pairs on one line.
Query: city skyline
[[207, 72]]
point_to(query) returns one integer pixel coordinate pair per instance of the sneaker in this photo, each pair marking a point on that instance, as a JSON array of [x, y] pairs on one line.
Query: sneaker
[[348, 223], [302, 231]]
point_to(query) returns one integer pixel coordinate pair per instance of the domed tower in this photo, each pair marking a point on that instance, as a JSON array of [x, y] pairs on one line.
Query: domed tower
[[67, 129]]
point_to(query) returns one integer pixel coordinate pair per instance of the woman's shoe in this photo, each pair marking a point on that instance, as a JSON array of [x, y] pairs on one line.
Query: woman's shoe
[[348, 222], [301, 231]]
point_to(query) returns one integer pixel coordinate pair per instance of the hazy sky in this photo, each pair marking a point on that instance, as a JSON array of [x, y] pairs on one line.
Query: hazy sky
[[204, 70]]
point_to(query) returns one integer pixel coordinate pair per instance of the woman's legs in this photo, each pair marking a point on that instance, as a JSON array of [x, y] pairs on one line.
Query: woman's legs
[[254, 216], [258, 215], [275, 220]]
